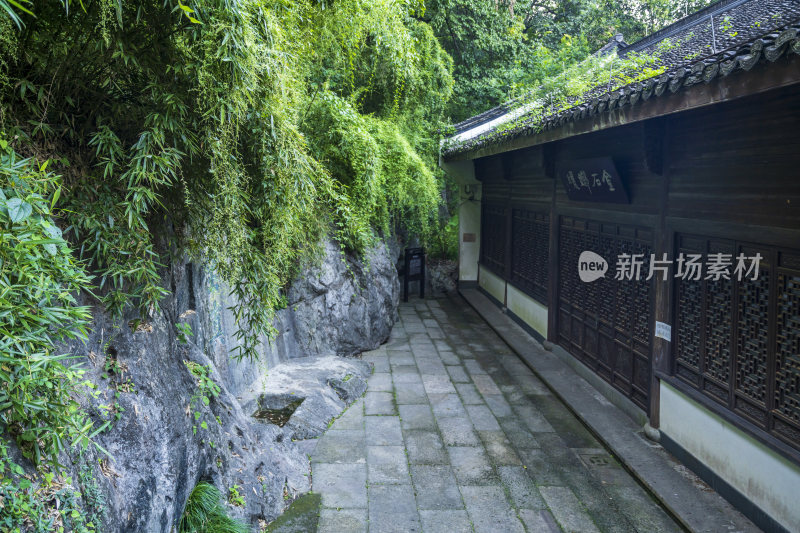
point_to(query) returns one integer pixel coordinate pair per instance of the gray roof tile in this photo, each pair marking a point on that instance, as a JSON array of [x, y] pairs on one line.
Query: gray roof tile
[[724, 37]]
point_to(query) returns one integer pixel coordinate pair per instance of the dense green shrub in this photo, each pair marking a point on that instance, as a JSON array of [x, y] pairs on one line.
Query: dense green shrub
[[39, 278], [47, 507], [39, 387]]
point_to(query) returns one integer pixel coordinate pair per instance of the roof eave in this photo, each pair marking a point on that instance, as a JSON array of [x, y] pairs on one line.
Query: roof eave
[[765, 76]]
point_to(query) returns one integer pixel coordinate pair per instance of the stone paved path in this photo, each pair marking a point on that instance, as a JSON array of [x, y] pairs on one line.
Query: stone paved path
[[455, 434]]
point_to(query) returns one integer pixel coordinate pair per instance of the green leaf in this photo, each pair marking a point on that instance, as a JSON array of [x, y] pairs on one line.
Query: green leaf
[[188, 12], [56, 196], [4, 5], [18, 209], [54, 233]]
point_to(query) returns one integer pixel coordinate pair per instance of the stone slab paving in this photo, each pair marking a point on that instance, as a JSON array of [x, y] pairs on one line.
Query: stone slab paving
[[694, 504], [456, 434]]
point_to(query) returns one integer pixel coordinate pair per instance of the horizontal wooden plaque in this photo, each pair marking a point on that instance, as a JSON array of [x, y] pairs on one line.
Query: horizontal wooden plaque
[[592, 180]]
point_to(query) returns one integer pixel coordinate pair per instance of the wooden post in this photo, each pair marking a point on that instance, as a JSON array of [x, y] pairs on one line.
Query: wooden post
[[655, 150], [552, 269]]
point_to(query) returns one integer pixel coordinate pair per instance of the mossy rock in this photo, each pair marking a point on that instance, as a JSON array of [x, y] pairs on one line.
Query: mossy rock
[[302, 515]]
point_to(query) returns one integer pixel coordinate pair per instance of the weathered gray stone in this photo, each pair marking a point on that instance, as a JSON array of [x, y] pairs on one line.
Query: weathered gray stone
[[405, 374], [437, 384], [482, 418], [523, 491], [457, 374], [408, 393], [416, 417], [469, 394], [485, 384], [343, 306], [324, 385], [449, 358], [380, 382], [499, 448], [446, 405], [158, 450], [383, 430], [441, 276], [533, 418], [341, 446], [458, 431], [539, 521], [341, 485], [392, 509], [425, 447], [489, 510], [471, 466], [352, 418], [518, 433], [379, 403], [342, 521], [446, 521], [567, 510], [387, 465], [539, 467], [498, 405], [436, 487]]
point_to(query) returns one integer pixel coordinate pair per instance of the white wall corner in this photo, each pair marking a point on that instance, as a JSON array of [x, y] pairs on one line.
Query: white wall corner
[[469, 217]]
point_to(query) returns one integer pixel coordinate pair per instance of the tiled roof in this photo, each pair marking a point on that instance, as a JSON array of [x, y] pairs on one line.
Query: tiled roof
[[724, 37]]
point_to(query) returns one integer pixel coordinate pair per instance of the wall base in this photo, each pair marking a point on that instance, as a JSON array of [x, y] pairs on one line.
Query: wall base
[[723, 488]]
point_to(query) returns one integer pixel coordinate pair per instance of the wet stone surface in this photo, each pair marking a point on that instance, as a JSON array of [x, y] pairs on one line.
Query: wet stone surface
[[455, 434]]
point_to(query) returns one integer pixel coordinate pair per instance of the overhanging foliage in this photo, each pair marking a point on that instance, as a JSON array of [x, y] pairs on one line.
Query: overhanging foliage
[[205, 116]]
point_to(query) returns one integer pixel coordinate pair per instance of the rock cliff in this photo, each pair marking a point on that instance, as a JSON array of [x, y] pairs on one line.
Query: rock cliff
[[164, 438]]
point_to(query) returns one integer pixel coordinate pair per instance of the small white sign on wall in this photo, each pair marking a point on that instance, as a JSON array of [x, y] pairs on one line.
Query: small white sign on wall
[[663, 331]]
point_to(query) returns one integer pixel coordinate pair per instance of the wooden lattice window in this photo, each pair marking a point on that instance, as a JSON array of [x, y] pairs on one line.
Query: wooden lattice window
[[738, 342], [493, 238], [606, 323], [530, 247]]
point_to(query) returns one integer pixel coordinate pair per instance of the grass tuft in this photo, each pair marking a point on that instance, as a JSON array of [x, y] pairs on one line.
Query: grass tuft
[[204, 513]]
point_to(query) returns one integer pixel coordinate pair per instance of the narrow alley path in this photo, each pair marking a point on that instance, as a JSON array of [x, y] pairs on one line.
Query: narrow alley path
[[456, 434]]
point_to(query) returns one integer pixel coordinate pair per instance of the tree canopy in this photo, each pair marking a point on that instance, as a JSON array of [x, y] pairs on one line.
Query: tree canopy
[[503, 48]]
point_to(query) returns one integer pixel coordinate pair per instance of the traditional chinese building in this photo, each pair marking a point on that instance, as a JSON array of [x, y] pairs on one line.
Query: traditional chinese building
[[693, 172]]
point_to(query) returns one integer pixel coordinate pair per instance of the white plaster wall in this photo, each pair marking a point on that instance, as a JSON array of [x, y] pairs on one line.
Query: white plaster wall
[[766, 478], [469, 216], [529, 310], [469, 221], [493, 284]]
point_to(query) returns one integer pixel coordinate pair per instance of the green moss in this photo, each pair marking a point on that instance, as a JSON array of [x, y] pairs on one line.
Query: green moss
[[302, 515]]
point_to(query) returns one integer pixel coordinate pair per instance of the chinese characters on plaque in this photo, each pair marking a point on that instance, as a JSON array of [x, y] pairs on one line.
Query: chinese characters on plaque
[[592, 180]]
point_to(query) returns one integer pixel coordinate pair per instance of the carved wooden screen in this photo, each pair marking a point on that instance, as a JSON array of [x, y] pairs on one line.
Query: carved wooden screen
[[606, 323], [530, 245], [493, 238], [738, 342]]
